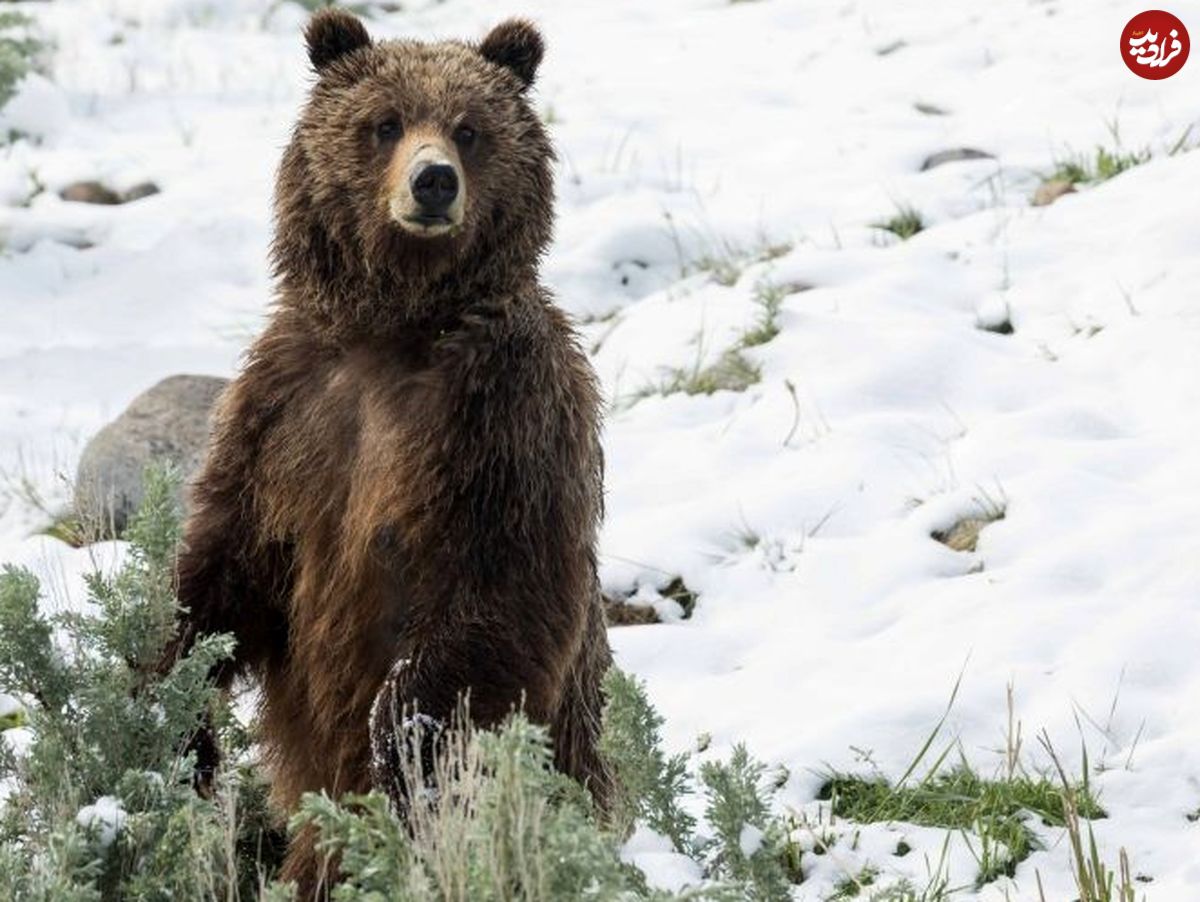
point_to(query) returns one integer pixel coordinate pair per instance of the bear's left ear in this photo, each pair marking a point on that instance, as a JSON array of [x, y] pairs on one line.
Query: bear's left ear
[[517, 46], [332, 33]]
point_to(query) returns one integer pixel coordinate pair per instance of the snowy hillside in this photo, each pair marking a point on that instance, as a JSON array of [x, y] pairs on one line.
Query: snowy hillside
[[799, 399]]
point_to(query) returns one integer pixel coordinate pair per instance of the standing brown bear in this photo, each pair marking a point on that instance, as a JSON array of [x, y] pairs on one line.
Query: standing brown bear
[[408, 469]]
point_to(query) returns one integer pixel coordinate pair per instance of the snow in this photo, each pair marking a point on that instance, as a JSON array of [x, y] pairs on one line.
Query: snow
[[105, 816], [653, 854], [800, 510], [750, 839]]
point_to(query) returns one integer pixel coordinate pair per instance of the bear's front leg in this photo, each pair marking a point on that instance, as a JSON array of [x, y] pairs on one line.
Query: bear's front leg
[[492, 673], [226, 580]]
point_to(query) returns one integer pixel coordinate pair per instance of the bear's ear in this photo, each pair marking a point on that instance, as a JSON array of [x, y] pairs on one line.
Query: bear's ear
[[333, 33], [517, 46]]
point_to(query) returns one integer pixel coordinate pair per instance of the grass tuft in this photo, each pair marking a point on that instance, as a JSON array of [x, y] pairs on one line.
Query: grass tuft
[[1101, 166], [768, 297], [732, 371], [959, 799], [906, 222], [852, 886], [1094, 880], [723, 259]]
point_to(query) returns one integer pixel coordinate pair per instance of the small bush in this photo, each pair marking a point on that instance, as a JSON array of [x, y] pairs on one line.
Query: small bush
[[101, 802], [502, 825], [750, 844], [17, 52], [652, 783]]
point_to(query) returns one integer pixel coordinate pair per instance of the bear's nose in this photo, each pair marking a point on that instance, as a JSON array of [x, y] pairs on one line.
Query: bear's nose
[[434, 187]]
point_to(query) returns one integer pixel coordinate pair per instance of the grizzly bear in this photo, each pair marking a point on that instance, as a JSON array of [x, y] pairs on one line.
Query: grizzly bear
[[407, 470]]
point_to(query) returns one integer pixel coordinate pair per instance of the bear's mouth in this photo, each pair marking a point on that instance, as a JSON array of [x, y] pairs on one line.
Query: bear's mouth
[[429, 225], [429, 219]]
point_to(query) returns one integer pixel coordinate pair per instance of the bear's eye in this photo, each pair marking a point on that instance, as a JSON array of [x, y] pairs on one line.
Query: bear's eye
[[464, 136], [388, 130]]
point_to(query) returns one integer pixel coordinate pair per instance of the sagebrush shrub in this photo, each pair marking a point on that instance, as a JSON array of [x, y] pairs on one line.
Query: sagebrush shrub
[[100, 803]]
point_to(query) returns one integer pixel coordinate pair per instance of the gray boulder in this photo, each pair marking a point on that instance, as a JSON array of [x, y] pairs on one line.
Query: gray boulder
[[169, 421]]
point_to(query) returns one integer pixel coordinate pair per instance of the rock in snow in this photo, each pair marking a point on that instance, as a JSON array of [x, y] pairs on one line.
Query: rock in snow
[[167, 422], [1048, 192], [93, 192], [954, 155]]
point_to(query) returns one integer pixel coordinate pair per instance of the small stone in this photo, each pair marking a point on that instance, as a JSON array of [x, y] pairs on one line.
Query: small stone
[[930, 109], [89, 193], [619, 612], [1048, 192], [954, 155], [138, 191]]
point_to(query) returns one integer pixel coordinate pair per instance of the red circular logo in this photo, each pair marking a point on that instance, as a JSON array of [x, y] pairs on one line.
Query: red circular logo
[[1155, 44]]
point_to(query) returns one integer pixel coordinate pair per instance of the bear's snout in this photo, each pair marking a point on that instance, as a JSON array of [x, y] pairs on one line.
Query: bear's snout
[[427, 187], [434, 187]]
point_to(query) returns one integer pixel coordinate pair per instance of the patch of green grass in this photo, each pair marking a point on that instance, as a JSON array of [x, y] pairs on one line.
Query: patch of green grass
[[1094, 880], [732, 371], [724, 268], [906, 222], [960, 799], [726, 261], [768, 297], [67, 528], [996, 811], [852, 886], [723, 259], [1082, 168], [936, 890]]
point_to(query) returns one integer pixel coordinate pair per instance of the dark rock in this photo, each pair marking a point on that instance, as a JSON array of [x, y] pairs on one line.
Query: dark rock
[[619, 612], [92, 192], [954, 155], [930, 109], [138, 191], [999, 327], [170, 422], [89, 193]]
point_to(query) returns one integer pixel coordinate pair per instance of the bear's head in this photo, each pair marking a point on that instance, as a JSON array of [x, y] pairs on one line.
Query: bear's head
[[417, 178]]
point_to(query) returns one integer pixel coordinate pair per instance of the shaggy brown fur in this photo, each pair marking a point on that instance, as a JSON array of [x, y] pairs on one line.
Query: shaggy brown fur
[[408, 469]]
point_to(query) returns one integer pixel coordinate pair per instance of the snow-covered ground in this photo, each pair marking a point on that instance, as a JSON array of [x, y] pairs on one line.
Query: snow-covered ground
[[830, 628]]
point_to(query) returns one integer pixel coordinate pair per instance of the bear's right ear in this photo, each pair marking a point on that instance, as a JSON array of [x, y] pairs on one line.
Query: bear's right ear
[[332, 33]]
